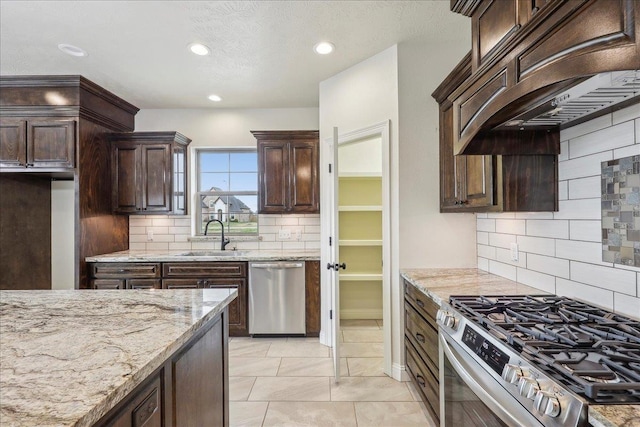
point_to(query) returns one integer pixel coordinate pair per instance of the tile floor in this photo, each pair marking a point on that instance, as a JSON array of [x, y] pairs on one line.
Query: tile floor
[[289, 382]]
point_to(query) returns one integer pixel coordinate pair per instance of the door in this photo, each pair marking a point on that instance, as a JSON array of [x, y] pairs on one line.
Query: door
[[334, 266]]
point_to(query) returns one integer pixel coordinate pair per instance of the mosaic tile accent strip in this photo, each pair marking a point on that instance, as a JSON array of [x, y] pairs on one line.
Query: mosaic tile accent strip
[[621, 211]]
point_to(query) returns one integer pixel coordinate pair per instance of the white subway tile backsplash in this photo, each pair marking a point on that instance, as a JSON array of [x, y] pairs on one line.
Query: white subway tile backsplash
[[310, 237], [589, 231], [287, 220], [504, 255], [544, 282], [624, 304], [501, 240], [157, 246], [163, 238], [182, 222], [579, 251], [293, 245], [140, 221], [162, 222], [137, 230], [628, 113], [501, 215], [563, 250], [584, 188], [158, 230], [488, 252], [483, 264], [270, 245], [179, 230], [137, 238], [175, 246], [537, 245], [504, 270], [583, 166], [609, 138], [548, 265], [267, 220], [613, 279], [631, 150], [591, 294], [585, 128], [310, 220], [135, 246], [311, 229], [558, 229], [312, 245], [510, 226], [488, 225], [578, 209], [482, 238]]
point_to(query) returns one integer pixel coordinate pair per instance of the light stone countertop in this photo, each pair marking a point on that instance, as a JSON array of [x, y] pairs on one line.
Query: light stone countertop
[[206, 255], [68, 357], [441, 283]]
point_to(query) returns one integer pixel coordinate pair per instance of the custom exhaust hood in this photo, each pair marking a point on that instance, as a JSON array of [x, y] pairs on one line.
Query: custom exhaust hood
[[591, 98]]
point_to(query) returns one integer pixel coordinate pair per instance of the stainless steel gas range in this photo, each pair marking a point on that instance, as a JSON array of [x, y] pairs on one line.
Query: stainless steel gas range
[[536, 360]]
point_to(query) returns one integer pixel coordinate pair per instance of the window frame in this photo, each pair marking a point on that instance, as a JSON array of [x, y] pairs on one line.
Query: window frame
[[199, 194]]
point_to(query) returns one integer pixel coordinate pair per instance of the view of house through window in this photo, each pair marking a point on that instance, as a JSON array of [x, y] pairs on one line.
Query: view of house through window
[[227, 190]]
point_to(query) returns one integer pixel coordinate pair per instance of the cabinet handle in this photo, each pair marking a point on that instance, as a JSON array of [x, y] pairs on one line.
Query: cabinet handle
[[420, 380], [420, 303], [420, 337]]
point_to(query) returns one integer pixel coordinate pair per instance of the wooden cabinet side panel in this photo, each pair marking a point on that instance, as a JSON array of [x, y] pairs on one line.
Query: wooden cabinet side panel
[[13, 143], [25, 221], [448, 182], [304, 177], [312, 298], [200, 380], [273, 177]]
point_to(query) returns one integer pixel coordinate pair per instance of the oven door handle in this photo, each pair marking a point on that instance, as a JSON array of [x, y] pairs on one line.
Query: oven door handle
[[463, 368]]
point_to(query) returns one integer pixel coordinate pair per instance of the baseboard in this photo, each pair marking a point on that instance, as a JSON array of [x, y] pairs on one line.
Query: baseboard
[[399, 372], [372, 313]]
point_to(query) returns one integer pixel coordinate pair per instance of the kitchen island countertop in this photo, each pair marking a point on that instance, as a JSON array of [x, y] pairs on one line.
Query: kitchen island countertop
[[440, 283], [68, 357], [207, 255]]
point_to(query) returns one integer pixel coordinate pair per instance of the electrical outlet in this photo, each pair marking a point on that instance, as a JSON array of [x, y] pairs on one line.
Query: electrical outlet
[[515, 255], [150, 236], [284, 234]]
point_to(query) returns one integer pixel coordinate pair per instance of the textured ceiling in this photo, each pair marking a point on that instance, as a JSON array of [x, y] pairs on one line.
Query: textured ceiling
[[261, 50]]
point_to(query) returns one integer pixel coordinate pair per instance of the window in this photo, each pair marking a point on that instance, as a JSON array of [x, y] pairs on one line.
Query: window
[[227, 190]]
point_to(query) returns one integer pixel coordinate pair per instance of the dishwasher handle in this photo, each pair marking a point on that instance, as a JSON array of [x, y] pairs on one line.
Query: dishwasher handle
[[277, 265]]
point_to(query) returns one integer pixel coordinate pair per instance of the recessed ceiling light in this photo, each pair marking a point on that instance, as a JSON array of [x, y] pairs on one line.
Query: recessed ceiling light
[[215, 98], [199, 49], [324, 48], [72, 50]]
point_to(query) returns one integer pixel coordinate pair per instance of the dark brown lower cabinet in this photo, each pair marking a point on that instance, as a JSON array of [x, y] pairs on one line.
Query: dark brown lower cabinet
[[421, 347], [312, 298], [190, 389]]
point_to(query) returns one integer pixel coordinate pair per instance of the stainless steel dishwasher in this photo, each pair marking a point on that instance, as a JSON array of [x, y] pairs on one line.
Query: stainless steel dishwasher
[[276, 298]]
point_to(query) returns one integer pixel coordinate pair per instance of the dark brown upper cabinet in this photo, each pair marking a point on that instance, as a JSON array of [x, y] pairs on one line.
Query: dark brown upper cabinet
[[493, 183], [149, 172], [288, 178], [524, 54], [38, 143]]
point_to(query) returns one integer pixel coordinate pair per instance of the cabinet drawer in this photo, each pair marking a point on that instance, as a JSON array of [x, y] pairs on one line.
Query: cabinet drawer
[[181, 283], [204, 269], [423, 336], [107, 284], [125, 270], [144, 284], [143, 408], [422, 303], [424, 380]]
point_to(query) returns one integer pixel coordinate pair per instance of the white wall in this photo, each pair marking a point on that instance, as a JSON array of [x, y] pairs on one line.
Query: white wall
[[561, 252], [62, 235]]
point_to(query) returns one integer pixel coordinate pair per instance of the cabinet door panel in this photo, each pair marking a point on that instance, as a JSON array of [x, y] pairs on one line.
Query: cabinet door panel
[[126, 171], [478, 181], [50, 143], [304, 169], [13, 143], [273, 178], [238, 308], [156, 167]]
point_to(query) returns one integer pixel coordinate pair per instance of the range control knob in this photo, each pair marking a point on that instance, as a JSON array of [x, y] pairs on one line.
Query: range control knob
[[546, 403], [528, 387], [447, 319], [511, 373]]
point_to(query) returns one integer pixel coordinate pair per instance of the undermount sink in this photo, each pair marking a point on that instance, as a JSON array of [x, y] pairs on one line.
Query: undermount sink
[[213, 253]]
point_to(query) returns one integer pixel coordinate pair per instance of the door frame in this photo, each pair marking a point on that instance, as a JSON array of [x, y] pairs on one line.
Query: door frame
[[381, 130]]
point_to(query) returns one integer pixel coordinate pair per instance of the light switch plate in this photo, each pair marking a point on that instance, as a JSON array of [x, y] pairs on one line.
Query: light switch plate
[[515, 255]]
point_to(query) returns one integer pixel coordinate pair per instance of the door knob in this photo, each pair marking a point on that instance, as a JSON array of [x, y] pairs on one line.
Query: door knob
[[336, 266]]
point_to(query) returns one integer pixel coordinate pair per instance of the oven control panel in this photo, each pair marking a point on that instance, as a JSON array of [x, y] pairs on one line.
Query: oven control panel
[[489, 353]]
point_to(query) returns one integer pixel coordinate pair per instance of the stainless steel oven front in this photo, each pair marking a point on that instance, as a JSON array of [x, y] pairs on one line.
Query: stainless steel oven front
[[471, 396]]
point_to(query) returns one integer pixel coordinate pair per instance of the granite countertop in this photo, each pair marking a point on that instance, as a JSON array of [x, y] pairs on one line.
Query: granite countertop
[[440, 283], [68, 357], [206, 255]]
